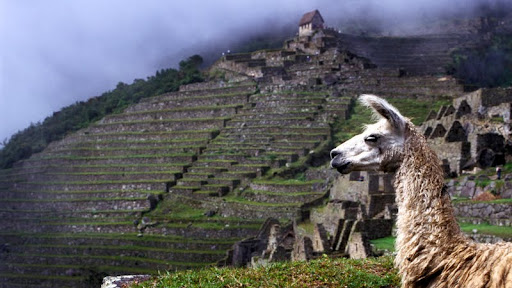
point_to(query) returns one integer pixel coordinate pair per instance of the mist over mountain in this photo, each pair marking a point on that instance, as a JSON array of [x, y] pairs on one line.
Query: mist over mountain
[[57, 52]]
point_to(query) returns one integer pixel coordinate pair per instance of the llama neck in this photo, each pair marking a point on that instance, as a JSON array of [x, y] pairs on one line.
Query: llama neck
[[425, 214]]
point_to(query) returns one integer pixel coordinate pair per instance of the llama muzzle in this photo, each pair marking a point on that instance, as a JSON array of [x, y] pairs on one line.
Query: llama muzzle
[[339, 162]]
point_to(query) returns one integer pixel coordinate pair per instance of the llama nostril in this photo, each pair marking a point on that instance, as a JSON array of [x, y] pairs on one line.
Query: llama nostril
[[334, 153]]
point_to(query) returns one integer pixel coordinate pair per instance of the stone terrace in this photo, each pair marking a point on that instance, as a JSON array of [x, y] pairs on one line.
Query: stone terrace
[[80, 203], [419, 55], [271, 131]]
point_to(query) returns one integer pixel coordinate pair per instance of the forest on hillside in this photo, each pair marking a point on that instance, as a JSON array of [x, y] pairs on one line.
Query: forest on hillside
[[37, 136]]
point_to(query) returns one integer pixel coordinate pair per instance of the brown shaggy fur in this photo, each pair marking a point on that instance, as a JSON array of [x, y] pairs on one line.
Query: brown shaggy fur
[[431, 249]]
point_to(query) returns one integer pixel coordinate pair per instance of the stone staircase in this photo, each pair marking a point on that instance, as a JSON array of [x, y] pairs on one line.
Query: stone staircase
[[271, 131]]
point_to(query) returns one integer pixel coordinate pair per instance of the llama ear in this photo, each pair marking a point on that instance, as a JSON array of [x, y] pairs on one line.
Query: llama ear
[[385, 110]]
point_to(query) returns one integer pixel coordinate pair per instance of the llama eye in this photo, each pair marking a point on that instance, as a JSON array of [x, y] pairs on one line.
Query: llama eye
[[372, 138]]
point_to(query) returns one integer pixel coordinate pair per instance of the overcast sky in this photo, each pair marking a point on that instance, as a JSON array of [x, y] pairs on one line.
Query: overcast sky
[[56, 52]]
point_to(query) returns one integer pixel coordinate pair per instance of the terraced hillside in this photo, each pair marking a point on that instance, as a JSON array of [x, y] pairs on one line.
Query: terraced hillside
[[92, 205], [76, 209], [175, 180], [418, 55]]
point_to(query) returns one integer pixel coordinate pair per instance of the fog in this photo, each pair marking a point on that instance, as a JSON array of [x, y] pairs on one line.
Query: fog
[[54, 53]]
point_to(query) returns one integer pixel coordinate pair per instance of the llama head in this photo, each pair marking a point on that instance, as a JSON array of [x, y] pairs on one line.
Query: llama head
[[379, 147]]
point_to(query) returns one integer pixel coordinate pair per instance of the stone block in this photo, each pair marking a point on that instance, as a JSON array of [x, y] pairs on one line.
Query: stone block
[[373, 183], [506, 194], [378, 203], [358, 244], [468, 190], [354, 176], [388, 183], [378, 228], [321, 241], [302, 249]]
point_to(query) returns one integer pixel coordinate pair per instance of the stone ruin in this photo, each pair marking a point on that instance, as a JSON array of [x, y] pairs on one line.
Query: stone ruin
[[342, 228], [472, 132]]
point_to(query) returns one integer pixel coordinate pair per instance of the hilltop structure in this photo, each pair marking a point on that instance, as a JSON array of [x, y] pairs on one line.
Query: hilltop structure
[[310, 22]]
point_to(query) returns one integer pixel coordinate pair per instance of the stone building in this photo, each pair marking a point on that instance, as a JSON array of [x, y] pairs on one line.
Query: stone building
[[310, 22], [473, 131]]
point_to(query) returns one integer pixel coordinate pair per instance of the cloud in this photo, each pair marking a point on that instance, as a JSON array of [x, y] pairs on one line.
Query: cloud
[[57, 52]]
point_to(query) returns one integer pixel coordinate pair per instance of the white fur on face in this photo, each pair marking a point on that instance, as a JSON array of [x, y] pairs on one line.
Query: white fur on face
[[374, 149]]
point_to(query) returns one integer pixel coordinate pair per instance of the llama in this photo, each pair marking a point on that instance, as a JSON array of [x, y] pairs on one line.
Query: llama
[[431, 249]]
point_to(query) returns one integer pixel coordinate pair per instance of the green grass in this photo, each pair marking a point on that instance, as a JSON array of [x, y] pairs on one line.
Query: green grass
[[291, 182], [497, 201], [135, 156], [123, 236], [183, 109], [386, 243], [500, 231], [162, 121], [127, 173], [100, 182], [129, 149], [416, 110], [161, 133], [323, 272], [270, 193], [76, 199], [118, 269], [127, 248], [115, 258], [241, 200]]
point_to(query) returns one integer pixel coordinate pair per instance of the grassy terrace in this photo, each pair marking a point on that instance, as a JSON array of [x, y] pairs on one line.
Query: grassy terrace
[[124, 259], [323, 272], [201, 97], [184, 109], [271, 193], [99, 167], [416, 110], [115, 249], [242, 200], [496, 201], [275, 129], [73, 199], [180, 134], [128, 173], [122, 237], [211, 90], [42, 157], [163, 121], [99, 182], [388, 243], [130, 149], [298, 93], [57, 213], [292, 114], [171, 142], [111, 269], [78, 192], [287, 182]]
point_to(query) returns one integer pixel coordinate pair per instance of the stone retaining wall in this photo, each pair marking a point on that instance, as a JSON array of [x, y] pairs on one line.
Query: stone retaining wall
[[495, 214]]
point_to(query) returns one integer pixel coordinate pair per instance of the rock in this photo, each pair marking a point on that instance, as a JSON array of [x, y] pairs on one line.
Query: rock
[[485, 157], [468, 190], [210, 213], [123, 281]]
